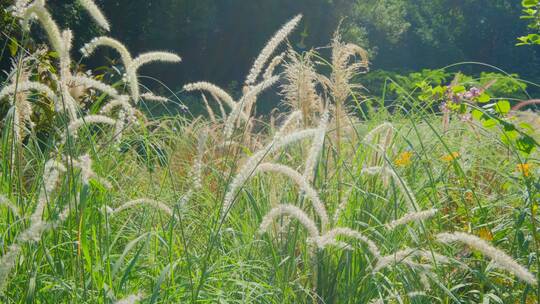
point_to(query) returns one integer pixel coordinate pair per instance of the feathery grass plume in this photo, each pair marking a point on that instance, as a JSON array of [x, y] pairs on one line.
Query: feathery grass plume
[[292, 119], [220, 105], [153, 56], [131, 64], [499, 258], [293, 212], [151, 97], [330, 237], [89, 48], [157, 205], [209, 109], [25, 86], [246, 102], [218, 94], [302, 183], [198, 164], [402, 185], [37, 10], [65, 57], [7, 262], [22, 108], [342, 70], [273, 65], [6, 202], [405, 256], [74, 126], [122, 103], [61, 43], [269, 49], [131, 299], [386, 129], [250, 165], [252, 92], [51, 174], [411, 217], [299, 89], [316, 148], [96, 84], [95, 13], [135, 64]]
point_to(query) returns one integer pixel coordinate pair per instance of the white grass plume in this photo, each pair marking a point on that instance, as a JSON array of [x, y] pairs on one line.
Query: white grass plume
[[212, 88], [405, 256], [153, 57], [89, 48], [6, 202], [273, 65], [302, 183], [95, 13], [135, 64], [157, 205], [75, 125], [122, 103], [151, 97], [250, 165], [198, 164], [412, 217], [316, 148], [131, 64], [499, 258], [299, 89], [293, 212], [292, 119], [7, 262], [51, 174], [209, 109], [246, 103], [28, 86], [330, 237], [96, 84], [269, 49], [386, 133], [37, 10]]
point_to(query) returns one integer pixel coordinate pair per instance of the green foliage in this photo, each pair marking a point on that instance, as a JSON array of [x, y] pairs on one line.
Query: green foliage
[[531, 13]]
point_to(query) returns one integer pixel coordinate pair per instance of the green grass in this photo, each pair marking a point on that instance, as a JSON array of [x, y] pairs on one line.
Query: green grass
[[198, 257]]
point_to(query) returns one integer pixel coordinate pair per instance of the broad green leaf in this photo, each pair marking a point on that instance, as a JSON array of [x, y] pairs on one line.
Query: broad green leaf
[[489, 123], [477, 114], [458, 89], [483, 98], [502, 107], [525, 144], [529, 3]]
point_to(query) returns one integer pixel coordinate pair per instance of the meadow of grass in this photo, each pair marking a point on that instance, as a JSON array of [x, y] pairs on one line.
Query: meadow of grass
[[336, 199]]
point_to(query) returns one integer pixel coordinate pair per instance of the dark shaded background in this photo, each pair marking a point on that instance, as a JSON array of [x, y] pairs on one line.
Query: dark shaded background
[[219, 39]]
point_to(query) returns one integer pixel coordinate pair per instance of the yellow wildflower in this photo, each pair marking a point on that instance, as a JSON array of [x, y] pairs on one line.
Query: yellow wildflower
[[451, 157], [404, 159], [524, 169], [485, 234]]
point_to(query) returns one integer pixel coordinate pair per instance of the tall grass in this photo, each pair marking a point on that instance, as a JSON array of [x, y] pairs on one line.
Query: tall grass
[[111, 206]]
